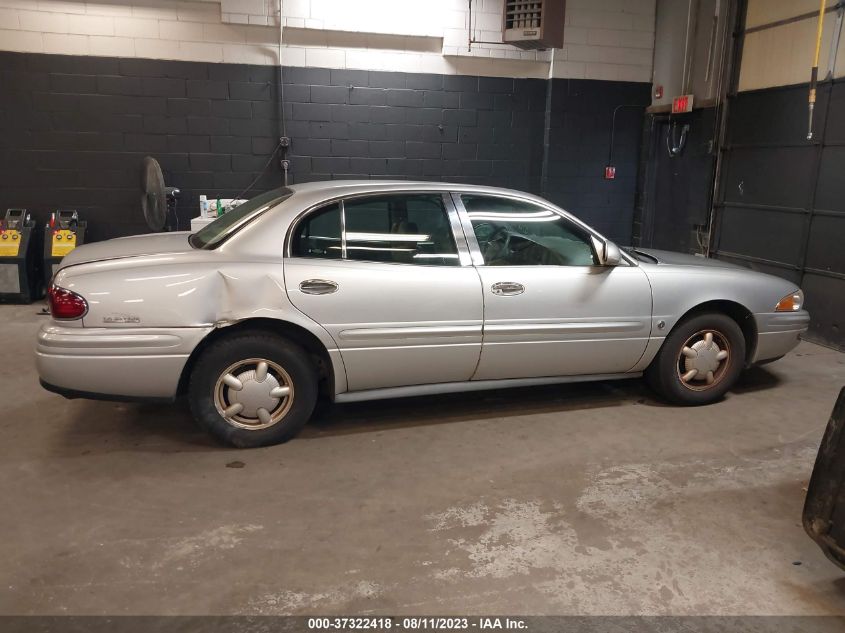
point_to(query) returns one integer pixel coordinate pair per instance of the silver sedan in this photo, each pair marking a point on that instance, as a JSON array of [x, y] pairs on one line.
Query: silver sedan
[[360, 290]]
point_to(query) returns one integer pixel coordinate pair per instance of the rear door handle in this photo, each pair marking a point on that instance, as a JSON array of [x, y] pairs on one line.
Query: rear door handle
[[318, 287], [507, 288]]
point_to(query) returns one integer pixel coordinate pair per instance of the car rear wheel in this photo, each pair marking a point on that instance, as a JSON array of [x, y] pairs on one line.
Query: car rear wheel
[[699, 361], [252, 390]]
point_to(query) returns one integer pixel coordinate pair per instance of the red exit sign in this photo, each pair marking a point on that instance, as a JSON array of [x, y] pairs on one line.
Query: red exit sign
[[682, 104]]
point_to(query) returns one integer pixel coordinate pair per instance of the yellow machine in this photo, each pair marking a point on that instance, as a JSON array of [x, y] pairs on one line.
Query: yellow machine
[[63, 242], [10, 242], [63, 233], [18, 258]]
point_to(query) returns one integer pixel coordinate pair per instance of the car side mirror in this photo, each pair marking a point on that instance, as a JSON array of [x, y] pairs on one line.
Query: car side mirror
[[607, 253]]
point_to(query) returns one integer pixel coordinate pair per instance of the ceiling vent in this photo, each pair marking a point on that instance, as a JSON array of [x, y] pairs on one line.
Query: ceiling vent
[[533, 24]]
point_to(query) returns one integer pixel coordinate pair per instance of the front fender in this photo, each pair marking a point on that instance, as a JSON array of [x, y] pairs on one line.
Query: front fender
[[680, 290]]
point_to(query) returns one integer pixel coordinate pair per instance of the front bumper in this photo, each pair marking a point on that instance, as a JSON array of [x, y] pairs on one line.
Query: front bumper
[[778, 333], [117, 363]]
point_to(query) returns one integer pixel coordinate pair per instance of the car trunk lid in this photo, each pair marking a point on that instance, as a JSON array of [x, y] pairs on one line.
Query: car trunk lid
[[132, 246]]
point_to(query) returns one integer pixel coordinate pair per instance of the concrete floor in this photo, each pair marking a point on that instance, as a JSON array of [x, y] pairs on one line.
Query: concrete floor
[[586, 499]]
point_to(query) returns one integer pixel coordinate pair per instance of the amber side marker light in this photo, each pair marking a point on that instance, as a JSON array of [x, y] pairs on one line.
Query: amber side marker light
[[790, 303], [66, 304]]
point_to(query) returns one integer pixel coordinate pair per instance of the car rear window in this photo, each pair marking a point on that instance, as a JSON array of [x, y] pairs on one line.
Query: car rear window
[[214, 234]]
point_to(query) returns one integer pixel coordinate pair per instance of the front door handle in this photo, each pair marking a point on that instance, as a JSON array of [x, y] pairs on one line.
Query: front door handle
[[507, 288], [318, 287]]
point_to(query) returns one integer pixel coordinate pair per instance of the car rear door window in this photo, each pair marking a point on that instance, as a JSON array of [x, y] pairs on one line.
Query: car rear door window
[[394, 228], [514, 232], [401, 228]]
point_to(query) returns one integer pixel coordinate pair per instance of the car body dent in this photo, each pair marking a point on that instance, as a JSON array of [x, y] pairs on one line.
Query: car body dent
[[213, 295]]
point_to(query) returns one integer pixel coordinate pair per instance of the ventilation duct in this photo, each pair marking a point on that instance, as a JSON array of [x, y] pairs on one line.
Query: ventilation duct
[[533, 24]]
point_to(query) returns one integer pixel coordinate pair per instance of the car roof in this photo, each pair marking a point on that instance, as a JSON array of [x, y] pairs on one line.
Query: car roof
[[335, 188], [310, 195]]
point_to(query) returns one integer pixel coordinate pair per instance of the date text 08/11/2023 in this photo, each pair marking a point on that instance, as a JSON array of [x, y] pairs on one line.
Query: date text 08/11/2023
[[416, 623]]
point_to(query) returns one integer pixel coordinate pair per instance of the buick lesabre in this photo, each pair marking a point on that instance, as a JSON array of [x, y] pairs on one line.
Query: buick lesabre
[[356, 290]]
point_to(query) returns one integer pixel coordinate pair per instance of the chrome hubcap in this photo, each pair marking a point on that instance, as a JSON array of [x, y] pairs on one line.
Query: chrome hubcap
[[253, 394], [704, 359]]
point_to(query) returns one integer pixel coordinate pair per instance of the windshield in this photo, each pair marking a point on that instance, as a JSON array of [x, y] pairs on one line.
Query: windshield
[[214, 234]]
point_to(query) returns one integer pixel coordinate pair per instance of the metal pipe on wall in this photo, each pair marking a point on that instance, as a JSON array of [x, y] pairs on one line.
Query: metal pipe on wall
[[834, 41], [730, 59], [814, 73], [284, 140]]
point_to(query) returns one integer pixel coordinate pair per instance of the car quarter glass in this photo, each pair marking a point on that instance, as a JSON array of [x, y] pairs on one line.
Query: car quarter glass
[[319, 234]]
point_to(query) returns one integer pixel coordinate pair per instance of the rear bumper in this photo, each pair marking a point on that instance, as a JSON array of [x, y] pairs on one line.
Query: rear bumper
[[114, 363], [778, 333]]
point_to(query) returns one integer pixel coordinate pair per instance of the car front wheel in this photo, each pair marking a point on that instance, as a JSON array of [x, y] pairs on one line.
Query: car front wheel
[[699, 361], [253, 389]]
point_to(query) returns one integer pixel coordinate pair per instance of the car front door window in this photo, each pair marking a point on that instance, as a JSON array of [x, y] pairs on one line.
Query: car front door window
[[519, 233], [549, 308]]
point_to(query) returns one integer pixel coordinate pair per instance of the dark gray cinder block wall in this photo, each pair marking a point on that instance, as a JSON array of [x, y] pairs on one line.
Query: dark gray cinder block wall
[[781, 204], [73, 132], [362, 124], [579, 119]]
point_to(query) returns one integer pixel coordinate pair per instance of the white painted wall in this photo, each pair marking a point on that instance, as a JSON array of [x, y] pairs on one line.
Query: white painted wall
[[603, 39], [607, 39], [783, 55]]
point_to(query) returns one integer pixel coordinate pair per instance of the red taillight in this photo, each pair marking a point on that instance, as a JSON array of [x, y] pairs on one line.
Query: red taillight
[[66, 304]]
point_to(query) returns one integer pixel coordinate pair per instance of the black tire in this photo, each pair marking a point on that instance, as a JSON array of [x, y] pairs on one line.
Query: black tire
[[237, 348], [665, 374]]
